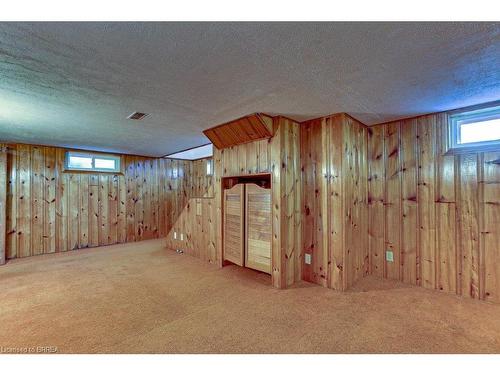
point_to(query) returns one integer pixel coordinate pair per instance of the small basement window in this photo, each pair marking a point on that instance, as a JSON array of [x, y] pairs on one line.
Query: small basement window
[[210, 166], [84, 161], [475, 130]]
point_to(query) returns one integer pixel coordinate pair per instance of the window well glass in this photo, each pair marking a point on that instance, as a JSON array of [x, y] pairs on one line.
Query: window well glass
[[482, 131], [80, 162], [105, 163]]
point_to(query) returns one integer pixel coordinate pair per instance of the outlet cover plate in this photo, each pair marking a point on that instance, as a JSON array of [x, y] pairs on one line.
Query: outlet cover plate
[[389, 256]]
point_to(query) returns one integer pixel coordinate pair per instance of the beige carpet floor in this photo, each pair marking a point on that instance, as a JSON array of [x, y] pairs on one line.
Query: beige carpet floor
[[143, 298]]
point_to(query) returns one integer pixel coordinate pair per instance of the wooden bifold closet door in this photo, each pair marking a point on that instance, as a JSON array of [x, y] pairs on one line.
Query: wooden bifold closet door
[[234, 221], [258, 228]]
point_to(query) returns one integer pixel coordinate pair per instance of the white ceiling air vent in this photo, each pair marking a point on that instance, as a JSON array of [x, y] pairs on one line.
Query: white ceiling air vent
[[137, 116]]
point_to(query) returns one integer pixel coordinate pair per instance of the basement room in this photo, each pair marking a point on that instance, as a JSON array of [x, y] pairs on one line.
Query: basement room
[[249, 187]]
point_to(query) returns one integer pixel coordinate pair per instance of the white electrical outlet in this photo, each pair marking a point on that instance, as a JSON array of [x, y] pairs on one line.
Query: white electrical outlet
[[175, 235], [182, 237], [308, 258], [389, 256]]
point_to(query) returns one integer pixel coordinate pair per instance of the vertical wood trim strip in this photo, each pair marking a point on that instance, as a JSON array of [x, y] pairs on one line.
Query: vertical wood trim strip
[[24, 201], [3, 202], [11, 240], [482, 268], [49, 231]]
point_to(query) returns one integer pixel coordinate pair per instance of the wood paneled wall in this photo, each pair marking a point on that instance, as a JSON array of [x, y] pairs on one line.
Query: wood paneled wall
[[202, 184], [49, 210], [287, 203], [3, 202], [195, 230], [194, 226], [341, 192], [279, 156], [439, 214], [335, 211]]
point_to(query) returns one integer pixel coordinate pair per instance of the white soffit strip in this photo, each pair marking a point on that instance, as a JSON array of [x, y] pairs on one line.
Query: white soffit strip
[[205, 151]]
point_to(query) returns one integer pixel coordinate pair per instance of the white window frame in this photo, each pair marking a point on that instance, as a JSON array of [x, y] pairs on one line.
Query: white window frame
[[467, 116], [116, 158]]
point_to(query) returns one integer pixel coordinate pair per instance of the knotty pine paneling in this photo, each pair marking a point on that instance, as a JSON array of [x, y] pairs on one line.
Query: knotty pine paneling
[[190, 213], [280, 157], [408, 188], [3, 200], [49, 210], [197, 225], [392, 198], [376, 199], [291, 199], [355, 171], [489, 211], [439, 213], [335, 214], [315, 202], [201, 182]]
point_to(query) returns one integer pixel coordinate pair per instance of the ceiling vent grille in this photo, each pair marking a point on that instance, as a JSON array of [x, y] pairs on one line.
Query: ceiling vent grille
[[137, 116]]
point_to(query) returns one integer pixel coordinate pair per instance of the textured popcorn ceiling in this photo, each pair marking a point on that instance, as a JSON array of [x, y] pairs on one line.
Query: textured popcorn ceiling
[[74, 84]]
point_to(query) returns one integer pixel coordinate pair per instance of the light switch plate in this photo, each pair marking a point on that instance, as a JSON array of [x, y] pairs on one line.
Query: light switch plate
[[308, 258], [389, 256], [182, 236], [175, 235]]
